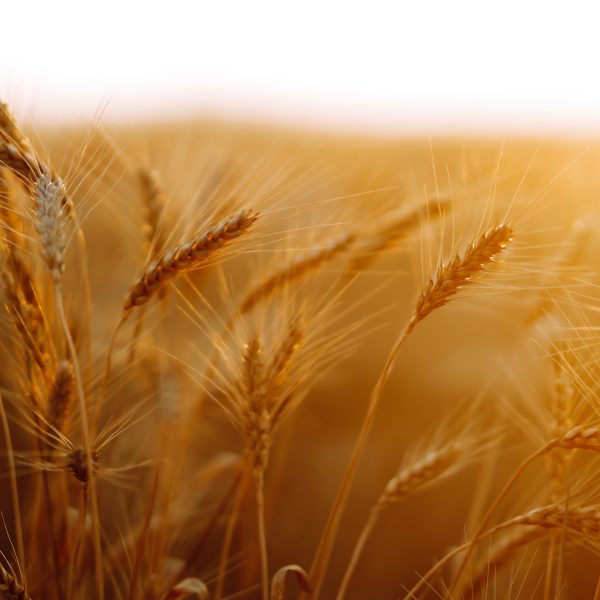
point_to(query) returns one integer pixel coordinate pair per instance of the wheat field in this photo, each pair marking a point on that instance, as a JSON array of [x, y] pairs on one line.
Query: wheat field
[[249, 362]]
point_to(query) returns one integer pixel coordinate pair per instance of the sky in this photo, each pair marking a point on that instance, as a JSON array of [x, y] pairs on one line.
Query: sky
[[390, 66]]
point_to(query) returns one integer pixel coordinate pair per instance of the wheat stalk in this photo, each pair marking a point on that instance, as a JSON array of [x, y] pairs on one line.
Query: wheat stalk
[[440, 290], [430, 467]]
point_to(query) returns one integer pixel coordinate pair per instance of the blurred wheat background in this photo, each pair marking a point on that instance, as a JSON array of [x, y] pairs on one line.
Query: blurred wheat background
[[254, 353]]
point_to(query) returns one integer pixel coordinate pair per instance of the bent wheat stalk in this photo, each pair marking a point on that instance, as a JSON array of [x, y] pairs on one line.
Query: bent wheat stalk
[[442, 287], [430, 467]]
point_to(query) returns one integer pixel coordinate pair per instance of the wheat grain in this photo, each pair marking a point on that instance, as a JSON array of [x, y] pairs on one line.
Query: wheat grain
[[578, 438], [584, 521], [189, 589]]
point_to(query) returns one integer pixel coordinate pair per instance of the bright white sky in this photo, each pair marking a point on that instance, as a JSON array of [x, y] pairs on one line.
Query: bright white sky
[[418, 65]]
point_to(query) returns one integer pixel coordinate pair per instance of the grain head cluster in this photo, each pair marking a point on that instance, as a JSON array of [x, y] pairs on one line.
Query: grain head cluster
[[250, 363]]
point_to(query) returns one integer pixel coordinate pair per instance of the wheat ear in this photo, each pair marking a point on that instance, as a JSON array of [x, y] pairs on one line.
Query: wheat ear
[[51, 224], [154, 197], [299, 268], [450, 278], [186, 256], [392, 230], [426, 470], [60, 399]]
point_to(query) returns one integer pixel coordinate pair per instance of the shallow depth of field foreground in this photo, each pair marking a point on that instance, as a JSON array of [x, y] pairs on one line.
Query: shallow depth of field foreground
[[250, 363]]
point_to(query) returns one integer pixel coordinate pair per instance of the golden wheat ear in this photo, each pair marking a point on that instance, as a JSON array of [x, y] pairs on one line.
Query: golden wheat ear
[[51, 225], [450, 278], [186, 256]]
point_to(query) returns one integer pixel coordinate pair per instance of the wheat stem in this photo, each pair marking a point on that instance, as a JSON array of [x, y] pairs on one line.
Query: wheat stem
[[259, 483], [87, 444]]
